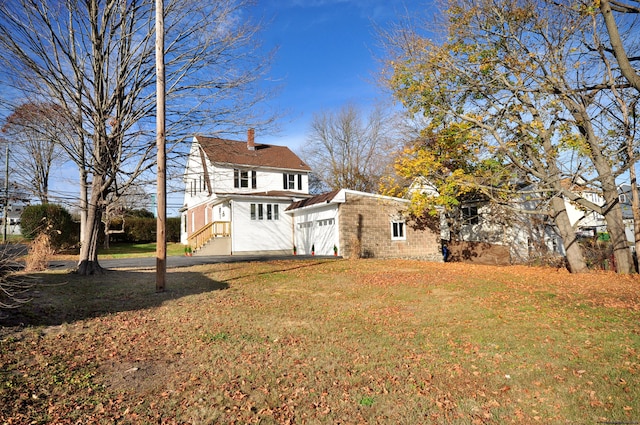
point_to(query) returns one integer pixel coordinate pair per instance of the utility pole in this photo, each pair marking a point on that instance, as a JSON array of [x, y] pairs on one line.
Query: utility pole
[[161, 222], [6, 196]]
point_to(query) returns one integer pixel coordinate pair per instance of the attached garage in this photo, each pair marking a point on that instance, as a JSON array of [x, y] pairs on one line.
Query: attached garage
[[360, 224]]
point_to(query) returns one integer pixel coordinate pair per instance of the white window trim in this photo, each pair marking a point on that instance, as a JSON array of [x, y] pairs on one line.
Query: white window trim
[[403, 227]]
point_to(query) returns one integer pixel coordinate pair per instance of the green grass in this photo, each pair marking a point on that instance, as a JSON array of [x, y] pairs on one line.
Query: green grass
[[323, 341], [124, 250], [130, 250]]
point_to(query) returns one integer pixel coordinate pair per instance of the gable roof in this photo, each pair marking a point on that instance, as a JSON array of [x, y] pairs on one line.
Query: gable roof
[[224, 151]]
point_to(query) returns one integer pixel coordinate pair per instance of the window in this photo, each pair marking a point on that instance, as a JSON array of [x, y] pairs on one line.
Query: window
[[264, 211], [470, 215], [289, 181], [397, 231], [241, 178]]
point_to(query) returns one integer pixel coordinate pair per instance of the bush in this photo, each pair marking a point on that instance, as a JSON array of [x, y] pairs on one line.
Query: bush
[[40, 253], [143, 229], [142, 213], [173, 229], [140, 230], [52, 220]]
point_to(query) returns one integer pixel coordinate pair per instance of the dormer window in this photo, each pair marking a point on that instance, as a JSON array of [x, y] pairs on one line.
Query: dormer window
[[241, 178]]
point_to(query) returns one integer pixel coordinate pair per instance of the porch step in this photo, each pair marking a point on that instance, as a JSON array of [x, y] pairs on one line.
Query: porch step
[[215, 246]]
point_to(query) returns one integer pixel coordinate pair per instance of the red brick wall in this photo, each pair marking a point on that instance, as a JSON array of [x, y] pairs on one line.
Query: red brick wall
[[198, 214]]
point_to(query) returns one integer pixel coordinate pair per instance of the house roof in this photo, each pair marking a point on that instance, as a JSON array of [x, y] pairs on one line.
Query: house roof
[[337, 196], [224, 151], [318, 199]]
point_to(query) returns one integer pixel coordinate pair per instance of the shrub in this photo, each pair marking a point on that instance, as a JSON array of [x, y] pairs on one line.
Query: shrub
[[143, 229], [52, 220], [40, 253], [142, 213], [140, 230], [173, 229]]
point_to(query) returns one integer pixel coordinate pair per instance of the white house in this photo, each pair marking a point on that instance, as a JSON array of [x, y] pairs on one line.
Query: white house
[[249, 198], [236, 194]]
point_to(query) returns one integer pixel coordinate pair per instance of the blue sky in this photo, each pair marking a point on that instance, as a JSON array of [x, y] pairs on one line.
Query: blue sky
[[327, 56]]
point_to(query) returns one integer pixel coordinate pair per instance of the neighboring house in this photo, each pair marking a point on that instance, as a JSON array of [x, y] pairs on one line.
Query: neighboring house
[[361, 224], [13, 212], [627, 213], [236, 194], [529, 235], [587, 223], [250, 198]]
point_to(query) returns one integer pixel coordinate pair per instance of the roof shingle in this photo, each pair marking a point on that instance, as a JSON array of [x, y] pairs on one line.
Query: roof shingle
[[318, 199], [224, 151]]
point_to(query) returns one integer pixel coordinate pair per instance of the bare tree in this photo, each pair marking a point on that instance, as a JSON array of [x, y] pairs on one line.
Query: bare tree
[[95, 59], [34, 133], [347, 149]]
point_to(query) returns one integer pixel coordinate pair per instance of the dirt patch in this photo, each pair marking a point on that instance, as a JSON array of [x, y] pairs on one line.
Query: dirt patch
[[479, 253], [142, 376]]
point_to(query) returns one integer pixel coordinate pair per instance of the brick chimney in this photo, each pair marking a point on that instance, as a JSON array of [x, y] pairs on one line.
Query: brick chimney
[[251, 143]]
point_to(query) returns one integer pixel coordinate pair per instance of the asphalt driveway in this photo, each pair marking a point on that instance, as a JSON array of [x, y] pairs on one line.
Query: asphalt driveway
[[184, 261]]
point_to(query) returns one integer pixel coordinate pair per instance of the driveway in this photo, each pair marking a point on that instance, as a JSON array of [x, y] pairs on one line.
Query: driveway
[[184, 261]]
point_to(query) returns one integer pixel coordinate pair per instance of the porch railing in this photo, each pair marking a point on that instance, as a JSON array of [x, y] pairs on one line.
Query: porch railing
[[215, 229]]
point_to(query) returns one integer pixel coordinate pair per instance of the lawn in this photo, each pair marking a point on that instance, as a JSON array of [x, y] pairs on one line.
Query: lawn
[[326, 341], [128, 250]]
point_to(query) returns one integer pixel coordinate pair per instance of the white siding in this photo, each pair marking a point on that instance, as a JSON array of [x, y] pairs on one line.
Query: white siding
[[266, 180], [260, 235], [222, 179]]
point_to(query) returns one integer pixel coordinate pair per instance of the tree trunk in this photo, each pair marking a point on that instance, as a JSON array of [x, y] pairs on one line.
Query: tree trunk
[[611, 211], [617, 235], [575, 259], [83, 203], [635, 207], [88, 262]]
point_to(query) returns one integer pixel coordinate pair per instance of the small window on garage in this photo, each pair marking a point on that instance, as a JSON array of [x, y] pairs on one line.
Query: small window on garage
[[397, 231]]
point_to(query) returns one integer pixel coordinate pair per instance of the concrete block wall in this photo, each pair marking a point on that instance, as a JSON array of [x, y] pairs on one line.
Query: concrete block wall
[[365, 231]]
